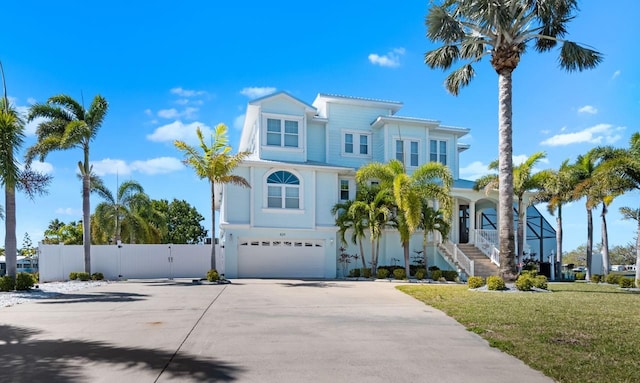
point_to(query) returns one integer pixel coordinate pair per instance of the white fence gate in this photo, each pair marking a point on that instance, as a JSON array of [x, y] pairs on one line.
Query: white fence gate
[[129, 261]]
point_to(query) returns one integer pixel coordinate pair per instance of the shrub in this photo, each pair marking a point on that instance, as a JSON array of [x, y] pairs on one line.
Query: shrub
[[433, 268], [495, 283], [7, 283], [541, 282], [420, 273], [354, 273], [97, 276], [84, 276], [475, 282], [524, 282], [399, 274], [382, 273], [436, 275], [626, 283], [596, 278], [365, 272], [24, 281], [36, 276], [73, 276], [450, 275], [581, 276], [613, 279], [213, 275]]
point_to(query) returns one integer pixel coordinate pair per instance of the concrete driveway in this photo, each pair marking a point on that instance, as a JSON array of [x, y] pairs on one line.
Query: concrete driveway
[[249, 331]]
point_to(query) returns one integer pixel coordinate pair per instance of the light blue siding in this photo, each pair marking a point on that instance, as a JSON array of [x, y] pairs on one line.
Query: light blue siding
[[327, 189], [316, 142], [236, 207]]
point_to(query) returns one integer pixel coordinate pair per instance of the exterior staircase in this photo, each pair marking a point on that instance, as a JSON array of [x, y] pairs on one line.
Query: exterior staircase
[[483, 267]]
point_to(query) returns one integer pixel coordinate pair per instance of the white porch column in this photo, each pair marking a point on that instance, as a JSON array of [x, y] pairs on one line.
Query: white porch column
[[472, 224]]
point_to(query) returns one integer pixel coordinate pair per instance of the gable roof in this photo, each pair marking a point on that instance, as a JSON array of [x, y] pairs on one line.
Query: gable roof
[[283, 94]]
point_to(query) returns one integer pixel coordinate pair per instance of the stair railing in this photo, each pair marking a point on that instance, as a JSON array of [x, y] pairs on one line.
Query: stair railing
[[452, 251], [487, 242]]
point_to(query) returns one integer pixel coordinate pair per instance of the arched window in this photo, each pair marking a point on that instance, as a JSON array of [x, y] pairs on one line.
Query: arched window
[[283, 190]]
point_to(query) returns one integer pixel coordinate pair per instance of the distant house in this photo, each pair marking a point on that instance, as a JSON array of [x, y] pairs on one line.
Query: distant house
[[303, 161], [23, 264]]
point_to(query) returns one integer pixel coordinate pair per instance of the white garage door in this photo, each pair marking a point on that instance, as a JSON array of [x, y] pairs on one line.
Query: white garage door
[[281, 258]]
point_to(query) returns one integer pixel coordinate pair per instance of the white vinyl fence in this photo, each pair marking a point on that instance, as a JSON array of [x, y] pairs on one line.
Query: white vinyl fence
[[128, 261]]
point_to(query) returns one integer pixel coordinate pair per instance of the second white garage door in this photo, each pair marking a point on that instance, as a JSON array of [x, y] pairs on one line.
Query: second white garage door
[[281, 259]]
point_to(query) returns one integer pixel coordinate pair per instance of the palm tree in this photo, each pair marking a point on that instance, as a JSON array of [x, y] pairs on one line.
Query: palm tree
[[432, 180], [53, 230], [121, 211], [69, 125], [374, 206], [523, 181], [11, 176], [216, 164], [556, 191], [634, 214], [345, 221], [472, 29], [432, 220]]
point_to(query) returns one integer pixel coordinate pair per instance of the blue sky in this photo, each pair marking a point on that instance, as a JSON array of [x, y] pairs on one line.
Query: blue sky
[[169, 67]]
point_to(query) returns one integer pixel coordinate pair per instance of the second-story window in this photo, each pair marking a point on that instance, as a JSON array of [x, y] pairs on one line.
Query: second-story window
[[282, 133], [438, 151], [344, 190], [356, 144], [410, 147]]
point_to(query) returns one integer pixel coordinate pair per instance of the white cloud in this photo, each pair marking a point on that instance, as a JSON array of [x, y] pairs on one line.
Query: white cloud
[[178, 130], [68, 211], [148, 112], [42, 167], [588, 109], [616, 74], [474, 170], [187, 92], [160, 165], [182, 101], [189, 113], [391, 59], [521, 158], [31, 101], [168, 113], [110, 166], [257, 92], [29, 127], [598, 134], [238, 122], [545, 131]]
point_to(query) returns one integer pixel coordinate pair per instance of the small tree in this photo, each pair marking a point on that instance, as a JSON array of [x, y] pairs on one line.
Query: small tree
[[216, 164]]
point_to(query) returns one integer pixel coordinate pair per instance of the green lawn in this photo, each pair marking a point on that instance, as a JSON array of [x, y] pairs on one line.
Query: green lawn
[[581, 332]]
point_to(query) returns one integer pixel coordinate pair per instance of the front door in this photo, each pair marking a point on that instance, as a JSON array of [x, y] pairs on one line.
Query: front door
[[463, 224]]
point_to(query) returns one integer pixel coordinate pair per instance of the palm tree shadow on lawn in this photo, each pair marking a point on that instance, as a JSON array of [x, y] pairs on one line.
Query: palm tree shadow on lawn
[[26, 359]]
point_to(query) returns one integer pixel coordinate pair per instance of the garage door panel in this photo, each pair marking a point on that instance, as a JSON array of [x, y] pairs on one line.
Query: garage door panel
[[280, 259]]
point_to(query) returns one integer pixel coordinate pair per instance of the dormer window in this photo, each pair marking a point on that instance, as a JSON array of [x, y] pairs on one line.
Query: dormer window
[[281, 132]]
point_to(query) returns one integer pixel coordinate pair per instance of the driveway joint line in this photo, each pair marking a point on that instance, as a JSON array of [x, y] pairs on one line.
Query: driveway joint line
[[189, 334]]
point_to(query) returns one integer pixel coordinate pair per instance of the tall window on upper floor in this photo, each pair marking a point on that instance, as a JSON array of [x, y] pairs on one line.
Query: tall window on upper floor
[[283, 133], [344, 190], [283, 190], [410, 147], [438, 151], [356, 144]]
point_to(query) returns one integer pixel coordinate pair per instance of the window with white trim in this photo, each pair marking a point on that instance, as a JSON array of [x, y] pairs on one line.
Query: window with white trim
[[410, 147], [344, 190], [363, 144], [283, 190], [282, 132], [438, 151]]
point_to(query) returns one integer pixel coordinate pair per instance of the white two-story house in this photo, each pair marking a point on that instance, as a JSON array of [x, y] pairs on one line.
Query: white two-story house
[[303, 161]]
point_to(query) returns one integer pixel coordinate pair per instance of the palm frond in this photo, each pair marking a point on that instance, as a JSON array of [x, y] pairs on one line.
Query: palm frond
[[575, 57], [459, 79], [442, 57], [443, 26], [69, 104]]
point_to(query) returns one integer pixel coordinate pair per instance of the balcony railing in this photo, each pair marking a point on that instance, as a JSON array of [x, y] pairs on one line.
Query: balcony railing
[[487, 241]]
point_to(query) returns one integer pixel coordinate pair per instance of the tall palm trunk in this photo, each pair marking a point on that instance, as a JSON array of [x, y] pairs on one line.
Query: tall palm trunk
[[589, 243], [638, 255], [213, 227], [364, 263], [558, 264], [521, 226], [508, 269], [405, 247], [374, 258], [86, 212], [10, 242], [605, 241]]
